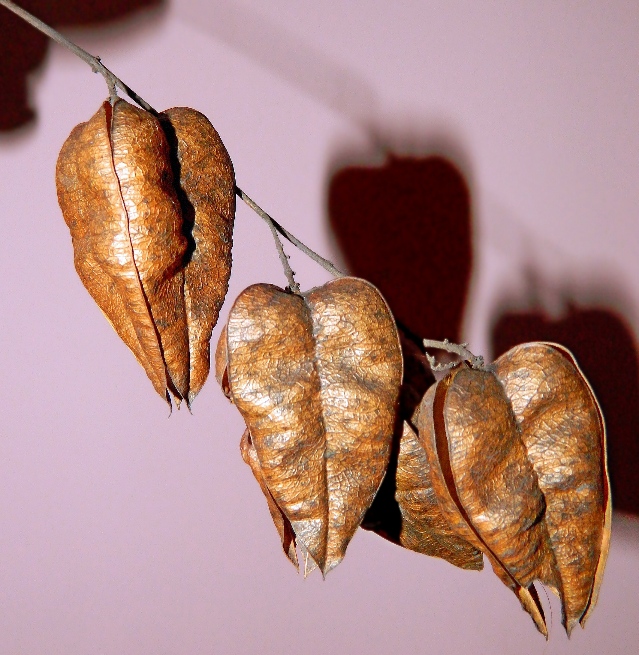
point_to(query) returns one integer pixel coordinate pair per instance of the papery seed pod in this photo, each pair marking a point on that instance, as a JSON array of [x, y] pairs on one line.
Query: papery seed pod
[[562, 427], [518, 466], [206, 189], [132, 244], [483, 480], [405, 510], [316, 377]]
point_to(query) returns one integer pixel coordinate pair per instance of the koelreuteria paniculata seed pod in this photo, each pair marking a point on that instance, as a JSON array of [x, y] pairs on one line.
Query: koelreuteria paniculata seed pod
[[517, 455], [316, 377], [150, 204], [506, 461]]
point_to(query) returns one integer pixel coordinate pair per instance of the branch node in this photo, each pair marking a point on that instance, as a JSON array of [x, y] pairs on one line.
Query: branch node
[[459, 349], [324, 263]]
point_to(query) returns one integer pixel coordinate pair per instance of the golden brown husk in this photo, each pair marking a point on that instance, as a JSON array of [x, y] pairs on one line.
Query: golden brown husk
[[517, 454], [138, 257], [316, 378]]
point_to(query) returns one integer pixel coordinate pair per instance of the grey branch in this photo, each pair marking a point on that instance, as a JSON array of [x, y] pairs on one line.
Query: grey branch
[[324, 263]]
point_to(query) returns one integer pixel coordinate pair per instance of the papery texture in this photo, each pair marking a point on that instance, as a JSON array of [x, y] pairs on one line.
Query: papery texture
[[316, 377], [205, 181], [424, 527], [563, 431], [114, 187], [483, 480], [518, 461], [131, 243], [405, 510]]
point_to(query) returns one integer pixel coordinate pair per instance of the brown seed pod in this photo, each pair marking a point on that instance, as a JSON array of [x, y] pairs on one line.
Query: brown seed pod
[[316, 377], [206, 189], [405, 510], [563, 430], [132, 245], [489, 477]]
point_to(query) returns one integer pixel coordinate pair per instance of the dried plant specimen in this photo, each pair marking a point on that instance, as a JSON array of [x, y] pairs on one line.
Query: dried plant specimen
[[563, 431], [406, 510], [517, 454], [316, 377], [145, 242], [205, 184]]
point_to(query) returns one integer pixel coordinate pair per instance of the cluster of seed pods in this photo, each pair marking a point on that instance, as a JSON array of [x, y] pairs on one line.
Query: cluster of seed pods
[[506, 461]]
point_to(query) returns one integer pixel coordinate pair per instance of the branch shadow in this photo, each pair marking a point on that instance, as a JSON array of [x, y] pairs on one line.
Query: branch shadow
[[23, 49]]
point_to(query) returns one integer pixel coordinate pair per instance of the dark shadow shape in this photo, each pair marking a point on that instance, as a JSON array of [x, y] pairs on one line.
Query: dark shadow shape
[[406, 227], [605, 349], [23, 48]]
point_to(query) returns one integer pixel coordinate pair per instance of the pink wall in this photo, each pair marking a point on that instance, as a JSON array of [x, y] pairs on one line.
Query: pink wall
[[124, 531]]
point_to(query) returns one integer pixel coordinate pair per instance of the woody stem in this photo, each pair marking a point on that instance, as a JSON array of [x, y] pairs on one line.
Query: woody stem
[[459, 349], [324, 263], [288, 271]]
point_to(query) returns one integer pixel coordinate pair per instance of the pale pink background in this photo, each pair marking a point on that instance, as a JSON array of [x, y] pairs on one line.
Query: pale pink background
[[124, 531]]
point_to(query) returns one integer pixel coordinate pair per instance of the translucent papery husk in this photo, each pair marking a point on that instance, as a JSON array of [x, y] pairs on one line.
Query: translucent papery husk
[[316, 377], [132, 245], [517, 454]]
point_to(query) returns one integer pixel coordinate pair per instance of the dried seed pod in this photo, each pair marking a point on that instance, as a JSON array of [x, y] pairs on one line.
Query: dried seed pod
[[405, 510], [131, 242], [505, 449], [316, 378], [563, 430], [483, 480]]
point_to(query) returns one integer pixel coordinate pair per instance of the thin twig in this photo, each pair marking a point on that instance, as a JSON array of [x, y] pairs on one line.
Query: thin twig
[[324, 263], [96, 65], [288, 271], [459, 349]]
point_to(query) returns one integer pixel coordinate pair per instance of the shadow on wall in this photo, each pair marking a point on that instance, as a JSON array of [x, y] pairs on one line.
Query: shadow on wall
[[605, 348], [23, 49], [405, 225]]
